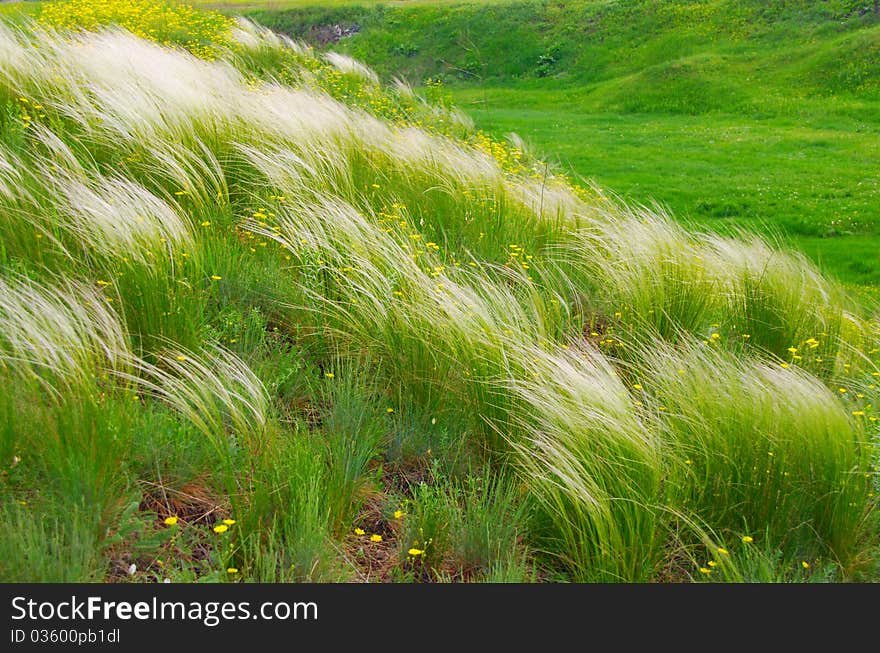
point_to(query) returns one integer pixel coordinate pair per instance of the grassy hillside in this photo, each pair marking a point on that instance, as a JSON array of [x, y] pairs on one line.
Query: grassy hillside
[[265, 318], [680, 55], [733, 114]]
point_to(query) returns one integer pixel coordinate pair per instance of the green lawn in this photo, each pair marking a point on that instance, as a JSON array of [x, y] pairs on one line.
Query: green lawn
[[816, 184]]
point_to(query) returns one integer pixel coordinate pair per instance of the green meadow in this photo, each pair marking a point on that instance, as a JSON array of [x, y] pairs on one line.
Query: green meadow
[[281, 312]]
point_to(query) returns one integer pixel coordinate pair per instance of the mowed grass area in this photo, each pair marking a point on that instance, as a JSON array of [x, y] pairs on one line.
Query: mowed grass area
[[812, 183]]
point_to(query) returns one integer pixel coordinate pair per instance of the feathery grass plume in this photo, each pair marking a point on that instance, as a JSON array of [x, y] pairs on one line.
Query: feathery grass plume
[[447, 212], [440, 333], [133, 90], [648, 275], [11, 176], [186, 173], [349, 66], [309, 123], [402, 87], [112, 215], [117, 217], [330, 235], [305, 120], [67, 332], [778, 298], [302, 171], [25, 228], [20, 60], [591, 463], [438, 157], [248, 35], [263, 55], [549, 198], [52, 153], [142, 246], [214, 390], [754, 446]]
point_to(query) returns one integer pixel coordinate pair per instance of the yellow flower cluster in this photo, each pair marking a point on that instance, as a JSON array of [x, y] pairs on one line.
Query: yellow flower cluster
[[507, 156], [27, 110], [203, 33], [375, 537]]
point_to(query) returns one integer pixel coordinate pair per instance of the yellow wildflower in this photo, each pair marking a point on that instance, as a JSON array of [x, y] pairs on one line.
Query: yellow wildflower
[[170, 521]]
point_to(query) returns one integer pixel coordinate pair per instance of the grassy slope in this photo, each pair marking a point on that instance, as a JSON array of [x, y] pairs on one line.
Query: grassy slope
[[730, 113], [278, 304]]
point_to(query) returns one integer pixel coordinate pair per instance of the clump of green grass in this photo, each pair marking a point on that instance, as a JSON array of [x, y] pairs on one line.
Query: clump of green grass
[[68, 333], [752, 446], [591, 464], [778, 300], [53, 546], [647, 275], [286, 531]]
